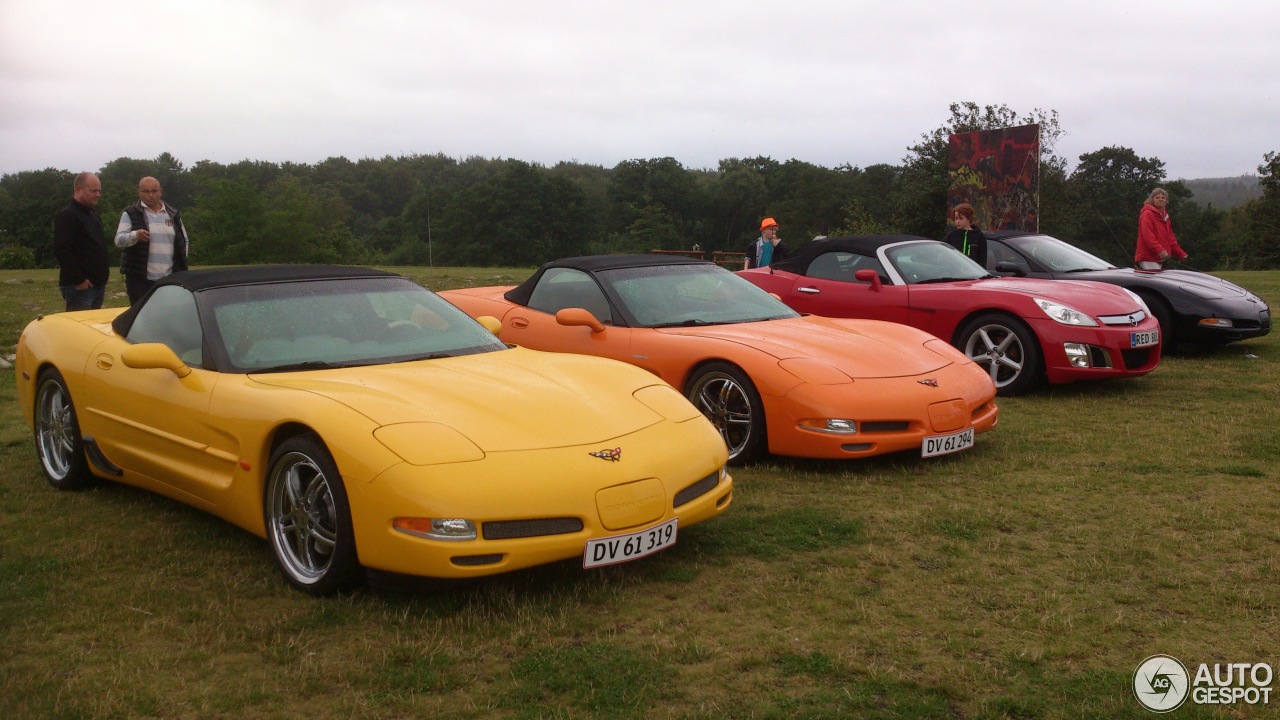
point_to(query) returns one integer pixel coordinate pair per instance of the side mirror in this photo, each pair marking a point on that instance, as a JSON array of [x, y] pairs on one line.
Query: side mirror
[[154, 356], [490, 323], [868, 275], [1008, 268], [578, 316]]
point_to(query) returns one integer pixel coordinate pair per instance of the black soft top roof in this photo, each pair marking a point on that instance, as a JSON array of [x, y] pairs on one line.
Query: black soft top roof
[[866, 245], [521, 293], [196, 280], [204, 279]]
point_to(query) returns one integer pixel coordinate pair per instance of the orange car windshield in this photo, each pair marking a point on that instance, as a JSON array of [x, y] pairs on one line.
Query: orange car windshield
[[677, 295]]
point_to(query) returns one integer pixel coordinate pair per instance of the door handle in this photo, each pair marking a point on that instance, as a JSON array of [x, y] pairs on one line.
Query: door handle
[[810, 290]]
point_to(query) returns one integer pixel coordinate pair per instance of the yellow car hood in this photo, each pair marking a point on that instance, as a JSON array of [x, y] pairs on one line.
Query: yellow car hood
[[859, 348], [516, 399]]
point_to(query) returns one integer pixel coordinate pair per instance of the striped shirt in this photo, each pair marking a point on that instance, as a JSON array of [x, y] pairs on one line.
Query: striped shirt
[[160, 252]]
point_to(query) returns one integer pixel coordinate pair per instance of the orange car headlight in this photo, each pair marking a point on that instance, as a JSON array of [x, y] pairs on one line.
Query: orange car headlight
[[945, 349], [814, 372]]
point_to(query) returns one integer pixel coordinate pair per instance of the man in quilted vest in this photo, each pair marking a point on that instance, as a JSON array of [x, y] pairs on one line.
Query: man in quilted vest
[[152, 240]]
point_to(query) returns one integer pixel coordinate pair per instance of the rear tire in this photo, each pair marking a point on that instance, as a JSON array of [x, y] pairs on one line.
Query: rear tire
[[57, 435], [308, 519], [728, 398], [1006, 348]]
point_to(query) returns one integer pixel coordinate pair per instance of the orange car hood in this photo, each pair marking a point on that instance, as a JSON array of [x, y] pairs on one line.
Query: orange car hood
[[860, 348], [516, 399]]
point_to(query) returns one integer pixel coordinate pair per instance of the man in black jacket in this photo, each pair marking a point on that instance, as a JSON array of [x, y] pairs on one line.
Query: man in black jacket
[[79, 245], [152, 240]]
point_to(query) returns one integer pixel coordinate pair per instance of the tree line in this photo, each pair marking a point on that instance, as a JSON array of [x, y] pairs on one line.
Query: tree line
[[438, 210]]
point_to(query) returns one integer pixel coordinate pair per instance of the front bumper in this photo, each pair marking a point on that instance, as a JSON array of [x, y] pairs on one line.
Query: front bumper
[[541, 506]]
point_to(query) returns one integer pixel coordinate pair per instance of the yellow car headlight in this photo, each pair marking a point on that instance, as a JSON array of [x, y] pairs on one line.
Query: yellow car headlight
[[664, 400], [427, 443]]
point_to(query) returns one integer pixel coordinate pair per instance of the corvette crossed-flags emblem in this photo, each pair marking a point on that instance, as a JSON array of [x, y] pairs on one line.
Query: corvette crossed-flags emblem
[[613, 455]]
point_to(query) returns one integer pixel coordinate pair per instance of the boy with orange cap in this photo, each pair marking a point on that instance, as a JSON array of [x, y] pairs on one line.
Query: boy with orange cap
[[768, 248]]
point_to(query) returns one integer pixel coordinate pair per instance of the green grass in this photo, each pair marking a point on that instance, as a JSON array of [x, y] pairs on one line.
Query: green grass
[[1027, 578]]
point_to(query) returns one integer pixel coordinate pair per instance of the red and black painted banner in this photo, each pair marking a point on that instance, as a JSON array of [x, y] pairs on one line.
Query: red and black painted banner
[[998, 173]]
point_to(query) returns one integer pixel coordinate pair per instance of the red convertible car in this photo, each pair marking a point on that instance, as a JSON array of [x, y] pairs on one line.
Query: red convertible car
[[1021, 330]]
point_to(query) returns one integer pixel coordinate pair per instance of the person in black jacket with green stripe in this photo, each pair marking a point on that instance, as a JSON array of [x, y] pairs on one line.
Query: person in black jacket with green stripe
[[966, 237]]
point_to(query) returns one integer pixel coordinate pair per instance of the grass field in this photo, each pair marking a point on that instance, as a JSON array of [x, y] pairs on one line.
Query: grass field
[[1026, 578]]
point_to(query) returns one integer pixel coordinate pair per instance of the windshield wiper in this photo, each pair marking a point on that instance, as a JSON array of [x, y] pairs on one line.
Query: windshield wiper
[[1076, 270], [692, 322], [308, 365], [428, 356], [948, 279]]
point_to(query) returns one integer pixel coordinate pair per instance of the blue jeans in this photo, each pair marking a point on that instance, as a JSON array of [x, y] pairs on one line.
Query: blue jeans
[[87, 299], [136, 287]]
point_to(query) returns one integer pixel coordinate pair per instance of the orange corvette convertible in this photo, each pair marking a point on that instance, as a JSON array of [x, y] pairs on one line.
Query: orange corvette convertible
[[767, 377]]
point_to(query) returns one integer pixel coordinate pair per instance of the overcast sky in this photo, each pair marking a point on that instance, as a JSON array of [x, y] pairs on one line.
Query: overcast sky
[[1195, 84]]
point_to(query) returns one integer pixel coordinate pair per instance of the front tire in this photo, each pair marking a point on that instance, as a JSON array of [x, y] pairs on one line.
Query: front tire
[[1164, 316], [308, 519], [57, 435], [1006, 348], [728, 398]]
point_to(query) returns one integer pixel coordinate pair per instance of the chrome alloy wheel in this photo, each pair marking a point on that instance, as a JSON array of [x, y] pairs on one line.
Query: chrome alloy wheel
[[57, 434], [1006, 348], [727, 405], [57, 437], [302, 518], [1000, 351]]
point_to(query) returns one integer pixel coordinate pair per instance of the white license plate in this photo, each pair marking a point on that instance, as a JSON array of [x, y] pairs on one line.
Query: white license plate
[[1144, 339], [621, 548], [943, 444]]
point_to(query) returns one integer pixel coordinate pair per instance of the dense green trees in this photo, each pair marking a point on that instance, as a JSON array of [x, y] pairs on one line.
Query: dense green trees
[[28, 202], [433, 209]]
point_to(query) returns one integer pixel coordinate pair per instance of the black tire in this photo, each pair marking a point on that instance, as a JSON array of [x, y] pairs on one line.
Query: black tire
[[1006, 348], [1164, 315], [308, 519], [729, 399], [57, 434]]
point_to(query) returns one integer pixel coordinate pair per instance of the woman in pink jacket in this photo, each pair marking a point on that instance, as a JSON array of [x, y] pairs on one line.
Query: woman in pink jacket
[[1156, 243]]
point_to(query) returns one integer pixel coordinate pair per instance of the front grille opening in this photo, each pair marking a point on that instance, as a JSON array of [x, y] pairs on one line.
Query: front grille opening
[[508, 529], [697, 490], [1131, 319], [884, 426], [1134, 359], [1099, 357], [474, 560], [862, 447]]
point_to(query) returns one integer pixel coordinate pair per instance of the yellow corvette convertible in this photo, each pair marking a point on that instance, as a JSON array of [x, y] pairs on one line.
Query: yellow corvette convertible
[[356, 420]]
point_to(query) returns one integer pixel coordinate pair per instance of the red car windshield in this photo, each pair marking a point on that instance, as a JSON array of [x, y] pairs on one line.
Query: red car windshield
[[931, 262]]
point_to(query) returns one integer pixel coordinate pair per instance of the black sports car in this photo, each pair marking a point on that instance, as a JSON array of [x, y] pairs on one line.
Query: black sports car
[[1193, 307]]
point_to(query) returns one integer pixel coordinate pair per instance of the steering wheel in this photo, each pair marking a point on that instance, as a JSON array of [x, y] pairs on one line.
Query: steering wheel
[[398, 328]]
